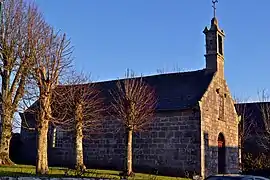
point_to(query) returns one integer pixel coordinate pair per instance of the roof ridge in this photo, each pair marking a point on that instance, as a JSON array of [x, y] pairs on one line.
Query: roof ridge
[[137, 77], [153, 75]]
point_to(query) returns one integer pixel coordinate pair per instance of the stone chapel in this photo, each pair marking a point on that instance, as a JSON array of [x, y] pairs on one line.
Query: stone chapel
[[195, 127]]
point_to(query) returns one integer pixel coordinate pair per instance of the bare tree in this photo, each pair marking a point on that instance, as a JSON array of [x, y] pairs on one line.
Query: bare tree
[[264, 107], [246, 124], [83, 111], [20, 31], [53, 58], [134, 103], [175, 69]]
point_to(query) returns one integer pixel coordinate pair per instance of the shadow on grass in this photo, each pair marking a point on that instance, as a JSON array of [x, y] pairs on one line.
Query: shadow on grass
[[56, 172], [101, 173], [29, 171], [23, 174]]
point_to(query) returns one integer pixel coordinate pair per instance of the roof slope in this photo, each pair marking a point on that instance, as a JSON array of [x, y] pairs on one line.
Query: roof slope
[[174, 90]]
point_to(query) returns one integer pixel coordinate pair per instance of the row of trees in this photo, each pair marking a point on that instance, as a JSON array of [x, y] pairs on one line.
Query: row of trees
[[36, 66], [80, 107]]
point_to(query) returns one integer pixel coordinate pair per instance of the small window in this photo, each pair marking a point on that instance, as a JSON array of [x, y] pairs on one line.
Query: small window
[[220, 43], [221, 107], [57, 138]]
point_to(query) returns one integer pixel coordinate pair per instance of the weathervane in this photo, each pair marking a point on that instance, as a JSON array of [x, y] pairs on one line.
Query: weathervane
[[214, 6]]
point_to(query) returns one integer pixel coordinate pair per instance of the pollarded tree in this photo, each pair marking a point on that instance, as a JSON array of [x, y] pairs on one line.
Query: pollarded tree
[[51, 62], [20, 33], [134, 103], [82, 109]]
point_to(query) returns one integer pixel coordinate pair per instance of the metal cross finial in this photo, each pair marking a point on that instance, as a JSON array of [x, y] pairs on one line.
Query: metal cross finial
[[214, 6]]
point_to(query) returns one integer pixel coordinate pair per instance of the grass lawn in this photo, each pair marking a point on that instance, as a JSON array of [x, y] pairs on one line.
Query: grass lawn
[[25, 170]]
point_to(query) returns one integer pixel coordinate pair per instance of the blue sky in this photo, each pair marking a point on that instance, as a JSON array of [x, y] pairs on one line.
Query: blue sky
[[110, 36]]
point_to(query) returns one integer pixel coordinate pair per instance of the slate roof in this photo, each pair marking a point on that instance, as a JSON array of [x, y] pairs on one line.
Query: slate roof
[[174, 91]]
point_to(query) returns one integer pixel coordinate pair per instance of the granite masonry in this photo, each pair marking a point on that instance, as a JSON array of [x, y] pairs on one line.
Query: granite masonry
[[195, 129]]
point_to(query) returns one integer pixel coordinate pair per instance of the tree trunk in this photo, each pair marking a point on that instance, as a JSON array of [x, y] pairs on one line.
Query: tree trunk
[[42, 141], [79, 138], [42, 160], [129, 152], [79, 149], [5, 136]]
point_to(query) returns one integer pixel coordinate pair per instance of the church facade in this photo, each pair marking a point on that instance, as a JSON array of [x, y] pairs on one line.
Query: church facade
[[195, 128]]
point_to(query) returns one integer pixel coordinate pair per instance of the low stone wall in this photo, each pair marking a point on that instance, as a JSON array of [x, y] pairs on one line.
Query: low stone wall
[[48, 178]]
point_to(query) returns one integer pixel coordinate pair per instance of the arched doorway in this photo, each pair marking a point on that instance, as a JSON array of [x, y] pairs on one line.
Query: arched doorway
[[221, 154]]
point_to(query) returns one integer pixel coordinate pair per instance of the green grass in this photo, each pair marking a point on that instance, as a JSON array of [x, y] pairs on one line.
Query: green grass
[[25, 170]]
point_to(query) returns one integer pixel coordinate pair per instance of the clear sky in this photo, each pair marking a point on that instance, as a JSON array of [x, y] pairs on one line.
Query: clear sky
[[110, 36]]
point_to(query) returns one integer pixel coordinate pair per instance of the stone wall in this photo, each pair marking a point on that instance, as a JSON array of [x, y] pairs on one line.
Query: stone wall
[[170, 145], [218, 116], [28, 137], [57, 156]]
